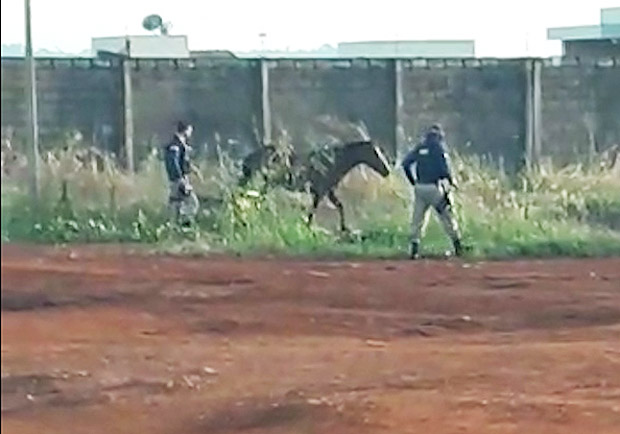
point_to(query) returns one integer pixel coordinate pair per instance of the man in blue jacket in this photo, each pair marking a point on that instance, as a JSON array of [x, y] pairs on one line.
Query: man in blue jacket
[[182, 199], [432, 183]]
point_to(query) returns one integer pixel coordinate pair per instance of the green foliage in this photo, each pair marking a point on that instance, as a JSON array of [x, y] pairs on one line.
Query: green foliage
[[574, 211]]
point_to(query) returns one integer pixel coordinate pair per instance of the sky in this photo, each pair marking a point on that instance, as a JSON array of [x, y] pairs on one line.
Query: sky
[[501, 28]]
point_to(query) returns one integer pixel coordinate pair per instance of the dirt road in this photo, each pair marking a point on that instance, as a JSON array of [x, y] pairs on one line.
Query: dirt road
[[100, 341]]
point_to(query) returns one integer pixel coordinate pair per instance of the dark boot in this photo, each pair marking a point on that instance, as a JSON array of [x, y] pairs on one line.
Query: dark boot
[[413, 253], [458, 248]]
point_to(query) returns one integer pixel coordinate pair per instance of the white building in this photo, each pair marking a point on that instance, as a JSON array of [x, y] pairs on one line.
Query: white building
[[602, 40], [145, 46]]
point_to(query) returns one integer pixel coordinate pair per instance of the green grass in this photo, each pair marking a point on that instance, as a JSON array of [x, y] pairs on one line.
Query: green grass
[[548, 213]]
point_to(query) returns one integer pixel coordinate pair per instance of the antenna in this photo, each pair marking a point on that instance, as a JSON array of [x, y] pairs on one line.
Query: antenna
[[155, 22]]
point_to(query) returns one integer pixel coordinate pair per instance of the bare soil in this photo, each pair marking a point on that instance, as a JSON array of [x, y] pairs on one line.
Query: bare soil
[[99, 340]]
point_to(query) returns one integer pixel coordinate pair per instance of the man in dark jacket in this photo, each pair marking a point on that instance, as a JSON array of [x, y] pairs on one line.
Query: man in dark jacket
[[182, 199], [432, 183]]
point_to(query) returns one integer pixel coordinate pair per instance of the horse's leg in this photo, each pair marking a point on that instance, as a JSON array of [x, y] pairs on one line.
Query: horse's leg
[[265, 186], [315, 204], [332, 197], [245, 178]]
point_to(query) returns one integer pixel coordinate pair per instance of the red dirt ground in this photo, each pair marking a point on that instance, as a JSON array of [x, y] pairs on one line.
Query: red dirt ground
[[103, 341]]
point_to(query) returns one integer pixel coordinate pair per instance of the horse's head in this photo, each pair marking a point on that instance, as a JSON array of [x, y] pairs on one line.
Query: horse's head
[[373, 156]]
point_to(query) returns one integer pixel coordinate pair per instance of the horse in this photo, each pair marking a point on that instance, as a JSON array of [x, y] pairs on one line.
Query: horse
[[320, 171]]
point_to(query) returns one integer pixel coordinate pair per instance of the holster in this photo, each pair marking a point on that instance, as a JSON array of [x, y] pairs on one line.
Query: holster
[[444, 187], [185, 188]]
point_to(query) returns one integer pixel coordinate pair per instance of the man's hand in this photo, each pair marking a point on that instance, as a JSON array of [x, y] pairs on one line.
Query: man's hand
[[184, 186]]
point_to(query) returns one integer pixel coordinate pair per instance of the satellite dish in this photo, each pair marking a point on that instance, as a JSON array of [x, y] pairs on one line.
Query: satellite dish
[[154, 22]]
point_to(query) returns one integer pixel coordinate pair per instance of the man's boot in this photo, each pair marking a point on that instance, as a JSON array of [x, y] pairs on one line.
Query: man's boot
[[458, 247], [413, 254]]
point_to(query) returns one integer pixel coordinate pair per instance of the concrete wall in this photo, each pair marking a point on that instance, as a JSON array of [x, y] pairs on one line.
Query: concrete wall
[[481, 105], [580, 108], [505, 109], [80, 95], [219, 99], [300, 92]]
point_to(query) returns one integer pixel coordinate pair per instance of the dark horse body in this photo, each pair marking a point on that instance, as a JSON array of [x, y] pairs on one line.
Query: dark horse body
[[319, 172]]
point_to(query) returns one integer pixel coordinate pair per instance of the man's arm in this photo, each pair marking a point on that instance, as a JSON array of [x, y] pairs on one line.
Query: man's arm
[[408, 161], [172, 162], [446, 166]]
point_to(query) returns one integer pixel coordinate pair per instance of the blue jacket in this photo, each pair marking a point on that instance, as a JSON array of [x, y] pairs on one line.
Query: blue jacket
[[176, 159], [431, 161]]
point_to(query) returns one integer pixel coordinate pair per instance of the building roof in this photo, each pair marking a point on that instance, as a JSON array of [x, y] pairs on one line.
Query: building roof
[[609, 28], [432, 48], [213, 54], [379, 50]]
